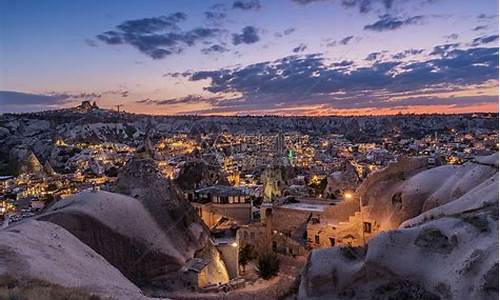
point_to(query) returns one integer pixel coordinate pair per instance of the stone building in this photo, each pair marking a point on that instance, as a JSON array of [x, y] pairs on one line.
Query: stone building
[[216, 202], [282, 228], [356, 219]]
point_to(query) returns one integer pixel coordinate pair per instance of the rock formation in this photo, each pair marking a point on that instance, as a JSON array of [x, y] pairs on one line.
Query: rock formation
[[31, 164], [275, 179], [86, 107], [47, 168], [146, 150], [342, 180], [141, 238], [45, 251], [197, 174], [141, 180], [447, 247]]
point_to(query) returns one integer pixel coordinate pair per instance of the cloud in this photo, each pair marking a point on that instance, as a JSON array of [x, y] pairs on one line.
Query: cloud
[[285, 32], [289, 31], [310, 80], [387, 22], [190, 99], [486, 17], [90, 43], [485, 40], [480, 27], [248, 35], [178, 74], [215, 17], [306, 2], [13, 101], [157, 37], [451, 101], [406, 53], [374, 56], [247, 5], [365, 6], [444, 49], [345, 41], [151, 25], [300, 48], [452, 36], [20, 98], [343, 63], [214, 49], [216, 14]]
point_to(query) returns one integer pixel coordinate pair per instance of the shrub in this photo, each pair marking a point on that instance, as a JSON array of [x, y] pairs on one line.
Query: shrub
[[246, 254], [268, 265]]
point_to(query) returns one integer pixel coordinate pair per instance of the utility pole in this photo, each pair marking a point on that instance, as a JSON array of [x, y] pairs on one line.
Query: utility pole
[[116, 124]]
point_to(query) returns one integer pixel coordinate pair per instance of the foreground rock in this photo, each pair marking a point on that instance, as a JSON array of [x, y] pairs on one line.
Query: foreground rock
[[45, 251], [447, 247]]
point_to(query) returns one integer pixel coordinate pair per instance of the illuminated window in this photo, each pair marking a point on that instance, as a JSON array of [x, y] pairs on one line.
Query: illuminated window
[[367, 227]]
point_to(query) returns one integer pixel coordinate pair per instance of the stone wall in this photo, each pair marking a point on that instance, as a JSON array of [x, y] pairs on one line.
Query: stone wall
[[230, 256], [211, 213]]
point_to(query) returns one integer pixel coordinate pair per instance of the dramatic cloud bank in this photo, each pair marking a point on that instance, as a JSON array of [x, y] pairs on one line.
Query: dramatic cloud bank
[[312, 80]]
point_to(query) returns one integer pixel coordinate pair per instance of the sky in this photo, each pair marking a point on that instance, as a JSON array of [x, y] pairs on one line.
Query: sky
[[241, 57]]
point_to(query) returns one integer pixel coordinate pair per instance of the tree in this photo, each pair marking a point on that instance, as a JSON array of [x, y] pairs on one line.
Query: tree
[[246, 254], [318, 185], [268, 265]]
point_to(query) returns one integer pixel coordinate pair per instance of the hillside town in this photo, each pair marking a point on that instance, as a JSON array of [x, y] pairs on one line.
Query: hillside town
[[259, 167], [284, 192], [249, 150]]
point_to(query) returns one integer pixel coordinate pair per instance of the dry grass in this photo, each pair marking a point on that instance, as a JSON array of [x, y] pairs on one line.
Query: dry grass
[[28, 289]]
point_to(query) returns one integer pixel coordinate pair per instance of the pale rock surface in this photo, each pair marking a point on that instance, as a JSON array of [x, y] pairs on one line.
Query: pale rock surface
[[42, 250], [447, 248]]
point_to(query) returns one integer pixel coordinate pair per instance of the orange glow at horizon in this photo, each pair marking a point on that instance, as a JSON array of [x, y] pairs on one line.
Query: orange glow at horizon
[[489, 90]]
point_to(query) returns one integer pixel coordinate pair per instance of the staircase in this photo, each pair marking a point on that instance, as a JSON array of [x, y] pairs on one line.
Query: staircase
[[342, 211]]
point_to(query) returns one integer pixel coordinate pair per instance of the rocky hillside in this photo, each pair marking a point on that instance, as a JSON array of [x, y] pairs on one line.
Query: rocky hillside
[[174, 215], [114, 244], [197, 174], [446, 245], [36, 131]]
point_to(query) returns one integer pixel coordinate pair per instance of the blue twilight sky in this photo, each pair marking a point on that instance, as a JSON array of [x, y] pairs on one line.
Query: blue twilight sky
[[251, 56]]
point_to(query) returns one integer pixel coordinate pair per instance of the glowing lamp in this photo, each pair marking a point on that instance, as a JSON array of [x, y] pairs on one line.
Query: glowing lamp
[[348, 195]]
